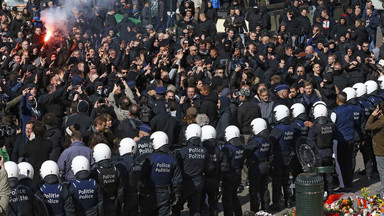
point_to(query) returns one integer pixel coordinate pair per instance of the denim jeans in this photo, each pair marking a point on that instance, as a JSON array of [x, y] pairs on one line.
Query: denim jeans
[[380, 168]]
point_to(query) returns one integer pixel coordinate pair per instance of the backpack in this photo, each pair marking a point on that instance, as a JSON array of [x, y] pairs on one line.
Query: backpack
[[145, 114]]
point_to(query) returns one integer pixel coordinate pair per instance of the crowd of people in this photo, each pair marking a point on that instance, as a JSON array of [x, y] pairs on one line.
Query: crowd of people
[[136, 108]]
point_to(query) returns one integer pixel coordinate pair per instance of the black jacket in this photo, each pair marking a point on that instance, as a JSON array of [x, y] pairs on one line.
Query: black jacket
[[207, 28], [21, 140], [56, 137], [292, 26], [209, 107], [304, 25], [211, 14], [36, 152], [168, 124], [246, 112], [81, 119], [360, 35]]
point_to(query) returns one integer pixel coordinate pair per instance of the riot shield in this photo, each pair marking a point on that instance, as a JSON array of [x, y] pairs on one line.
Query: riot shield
[[308, 154]]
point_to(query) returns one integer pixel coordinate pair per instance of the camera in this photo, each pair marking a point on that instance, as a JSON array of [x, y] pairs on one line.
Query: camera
[[101, 100], [120, 83]]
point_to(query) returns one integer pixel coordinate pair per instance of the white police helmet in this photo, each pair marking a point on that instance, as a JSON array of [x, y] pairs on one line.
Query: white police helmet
[[380, 80], [12, 169], [361, 89], [258, 125], [193, 130], [49, 167], [318, 102], [25, 170], [350, 92], [371, 86], [159, 139], [319, 111], [80, 163], [101, 152], [280, 112], [297, 109], [127, 145], [231, 132], [208, 132]]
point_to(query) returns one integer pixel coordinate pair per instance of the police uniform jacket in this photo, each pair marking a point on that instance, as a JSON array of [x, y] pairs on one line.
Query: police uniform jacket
[[22, 201], [194, 161], [216, 157], [282, 138], [56, 197], [161, 170], [233, 160], [322, 133], [258, 153], [85, 194], [112, 187]]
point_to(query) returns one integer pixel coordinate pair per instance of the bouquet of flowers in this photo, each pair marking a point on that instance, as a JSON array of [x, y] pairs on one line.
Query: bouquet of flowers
[[339, 204], [349, 204]]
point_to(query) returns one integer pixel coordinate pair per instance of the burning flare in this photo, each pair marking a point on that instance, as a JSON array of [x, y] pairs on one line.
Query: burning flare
[[47, 36]]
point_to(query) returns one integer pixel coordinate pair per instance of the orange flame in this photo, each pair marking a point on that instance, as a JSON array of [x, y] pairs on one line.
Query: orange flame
[[47, 36]]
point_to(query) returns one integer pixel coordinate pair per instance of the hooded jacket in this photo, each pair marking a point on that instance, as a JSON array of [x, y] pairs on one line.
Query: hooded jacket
[[81, 118], [29, 110], [339, 29], [226, 118]]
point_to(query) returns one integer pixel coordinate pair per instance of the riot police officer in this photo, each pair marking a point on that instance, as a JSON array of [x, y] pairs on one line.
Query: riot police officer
[[55, 194], [143, 145], [22, 201], [161, 176], [373, 92], [26, 173], [212, 178], [300, 119], [321, 135], [144, 149], [366, 136], [108, 179], [358, 112], [233, 157], [84, 190], [343, 118], [258, 153], [194, 160], [127, 149], [282, 138]]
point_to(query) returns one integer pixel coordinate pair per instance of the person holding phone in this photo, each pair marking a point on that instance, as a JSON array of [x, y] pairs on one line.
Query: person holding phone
[[375, 123]]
